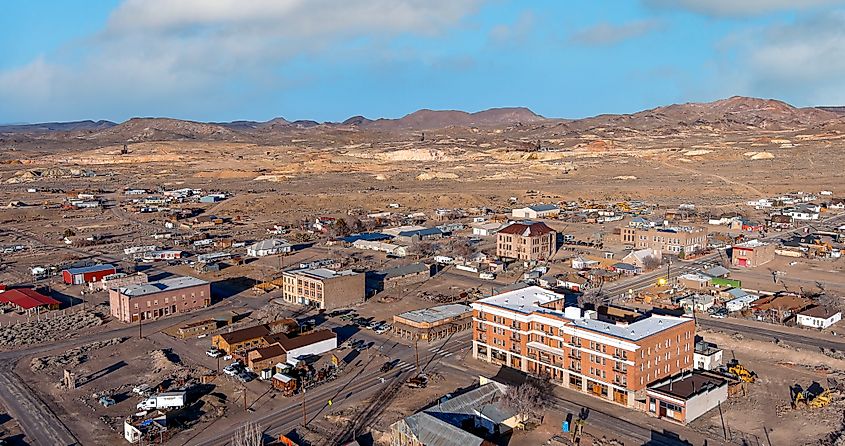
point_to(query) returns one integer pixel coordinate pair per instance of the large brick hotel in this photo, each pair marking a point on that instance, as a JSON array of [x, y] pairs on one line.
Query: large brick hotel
[[534, 330]]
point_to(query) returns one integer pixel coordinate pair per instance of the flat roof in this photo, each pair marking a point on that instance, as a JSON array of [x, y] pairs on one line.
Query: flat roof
[[435, 314], [529, 300], [688, 385], [90, 269], [322, 273], [175, 283]]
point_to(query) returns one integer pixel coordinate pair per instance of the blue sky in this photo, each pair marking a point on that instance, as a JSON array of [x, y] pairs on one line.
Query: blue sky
[[220, 60]]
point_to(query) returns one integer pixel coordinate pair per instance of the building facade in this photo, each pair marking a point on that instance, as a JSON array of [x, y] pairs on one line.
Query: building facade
[[526, 241], [532, 330], [752, 254], [155, 300], [681, 241], [433, 323], [323, 288]]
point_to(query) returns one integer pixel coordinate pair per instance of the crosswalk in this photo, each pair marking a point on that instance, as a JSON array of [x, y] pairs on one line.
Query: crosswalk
[[405, 366]]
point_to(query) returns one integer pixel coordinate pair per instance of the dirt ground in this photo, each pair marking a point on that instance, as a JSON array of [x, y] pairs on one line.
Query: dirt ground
[[765, 413]]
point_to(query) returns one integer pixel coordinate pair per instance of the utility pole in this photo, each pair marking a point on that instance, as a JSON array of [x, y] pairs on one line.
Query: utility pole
[[417, 354], [304, 414], [244, 387], [140, 325], [218, 364]]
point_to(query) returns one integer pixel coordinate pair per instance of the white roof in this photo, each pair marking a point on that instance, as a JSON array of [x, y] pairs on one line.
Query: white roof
[[751, 244], [175, 283], [272, 243], [528, 300]]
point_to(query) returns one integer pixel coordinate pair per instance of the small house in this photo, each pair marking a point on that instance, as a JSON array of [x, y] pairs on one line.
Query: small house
[[818, 316]]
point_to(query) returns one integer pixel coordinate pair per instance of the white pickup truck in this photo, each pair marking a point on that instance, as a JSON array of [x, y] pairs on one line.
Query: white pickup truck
[[166, 400]]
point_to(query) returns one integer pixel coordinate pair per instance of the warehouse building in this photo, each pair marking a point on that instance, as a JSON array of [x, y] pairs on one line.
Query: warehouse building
[[87, 274]]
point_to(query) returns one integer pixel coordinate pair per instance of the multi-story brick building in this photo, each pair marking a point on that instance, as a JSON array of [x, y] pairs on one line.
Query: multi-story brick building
[[533, 330], [526, 241], [323, 288], [158, 299], [681, 241]]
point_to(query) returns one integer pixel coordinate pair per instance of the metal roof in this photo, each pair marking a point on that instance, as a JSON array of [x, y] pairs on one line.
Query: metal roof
[[175, 283], [435, 314], [404, 270], [90, 269]]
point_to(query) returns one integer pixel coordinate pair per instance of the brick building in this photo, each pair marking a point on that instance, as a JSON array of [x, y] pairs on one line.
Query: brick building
[[681, 241], [433, 323], [532, 329], [526, 241], [323, 288], [159, 299], [752, 254]]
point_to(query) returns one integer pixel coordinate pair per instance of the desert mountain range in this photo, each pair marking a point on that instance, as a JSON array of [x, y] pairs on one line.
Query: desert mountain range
[[731, 114]]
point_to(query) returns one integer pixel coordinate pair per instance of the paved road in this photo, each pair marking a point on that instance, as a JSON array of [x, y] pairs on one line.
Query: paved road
[[355, 385], [40, 425], [762, 333]]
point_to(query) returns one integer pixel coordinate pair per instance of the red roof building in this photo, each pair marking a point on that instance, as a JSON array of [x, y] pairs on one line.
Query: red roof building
[[526, 241], [28, 299]]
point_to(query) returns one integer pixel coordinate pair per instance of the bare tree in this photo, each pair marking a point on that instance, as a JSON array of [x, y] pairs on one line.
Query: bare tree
[[250, 434], [527, 401], [462, 247], [424, 248], [650, 262]]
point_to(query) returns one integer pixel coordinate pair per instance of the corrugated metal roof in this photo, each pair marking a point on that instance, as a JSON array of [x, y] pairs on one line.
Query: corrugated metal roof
[[90, 269]]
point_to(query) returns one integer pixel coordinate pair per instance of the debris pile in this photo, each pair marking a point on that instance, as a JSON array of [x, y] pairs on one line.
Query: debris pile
[[58, 327], [72, 357]]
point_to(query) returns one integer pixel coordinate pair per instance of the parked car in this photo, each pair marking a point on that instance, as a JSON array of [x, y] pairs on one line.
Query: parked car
[[107, 401], [215, 352], [245, 376], [387, 366], [233, 368], [142, 389]]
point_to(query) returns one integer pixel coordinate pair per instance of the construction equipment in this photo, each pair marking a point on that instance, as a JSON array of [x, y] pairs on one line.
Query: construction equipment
[[740, 371], [813, 397], [418, 382]]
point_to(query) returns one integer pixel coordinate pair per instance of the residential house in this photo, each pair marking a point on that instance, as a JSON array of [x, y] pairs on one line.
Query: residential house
[[526, 241], [641, 257], [626, 269], [697, 303], [780, 307], [269, 247], [739, 300], [780, 222], [818, 316]]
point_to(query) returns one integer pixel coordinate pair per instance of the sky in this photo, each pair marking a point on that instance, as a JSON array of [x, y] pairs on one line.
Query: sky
[[327, 60]]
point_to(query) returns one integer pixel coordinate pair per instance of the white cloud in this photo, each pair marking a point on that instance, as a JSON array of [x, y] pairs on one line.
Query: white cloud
[[736, 8], [610, 34], [515, 32], [156, 52], [802, 62]]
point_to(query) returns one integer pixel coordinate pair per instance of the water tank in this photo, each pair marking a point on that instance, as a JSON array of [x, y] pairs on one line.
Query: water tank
[[572, 313]]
